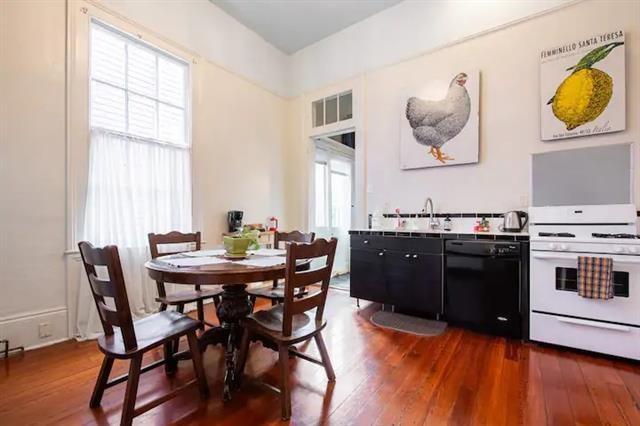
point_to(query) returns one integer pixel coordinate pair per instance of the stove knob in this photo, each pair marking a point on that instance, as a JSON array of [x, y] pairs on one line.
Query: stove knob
[[564, 247], [619, 250], [553, 246]]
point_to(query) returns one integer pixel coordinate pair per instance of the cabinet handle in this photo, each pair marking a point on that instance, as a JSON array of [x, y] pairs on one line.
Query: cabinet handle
[[407, 256], [366, 241], [381, 253], [415, 256]]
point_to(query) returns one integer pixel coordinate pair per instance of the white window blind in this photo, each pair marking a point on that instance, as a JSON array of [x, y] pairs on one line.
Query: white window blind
[[136, 89]]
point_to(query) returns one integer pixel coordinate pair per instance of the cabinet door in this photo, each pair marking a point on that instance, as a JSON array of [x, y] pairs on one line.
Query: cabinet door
[[414, 281], [367, 275]]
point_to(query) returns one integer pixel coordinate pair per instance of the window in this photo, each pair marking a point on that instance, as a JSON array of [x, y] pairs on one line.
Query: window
[[139, 167], [332, 109], [136, 89]]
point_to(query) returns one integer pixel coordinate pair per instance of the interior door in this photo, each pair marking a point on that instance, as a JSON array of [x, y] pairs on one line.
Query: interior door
[[332, 212]]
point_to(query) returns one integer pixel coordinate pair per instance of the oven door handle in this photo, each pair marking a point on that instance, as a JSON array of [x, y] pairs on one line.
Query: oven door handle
[[587, 323], [569, 256]]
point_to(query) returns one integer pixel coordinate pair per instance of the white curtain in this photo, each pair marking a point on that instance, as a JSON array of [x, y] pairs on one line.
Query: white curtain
[[135, 186]]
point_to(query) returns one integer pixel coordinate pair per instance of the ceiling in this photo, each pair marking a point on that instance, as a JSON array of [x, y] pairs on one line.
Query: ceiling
[[291, 25]]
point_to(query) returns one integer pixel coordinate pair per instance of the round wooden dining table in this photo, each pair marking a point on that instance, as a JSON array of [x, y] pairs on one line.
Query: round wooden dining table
[[234, 300]]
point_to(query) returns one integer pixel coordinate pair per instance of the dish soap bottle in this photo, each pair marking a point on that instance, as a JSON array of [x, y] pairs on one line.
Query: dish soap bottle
[[447, 224]]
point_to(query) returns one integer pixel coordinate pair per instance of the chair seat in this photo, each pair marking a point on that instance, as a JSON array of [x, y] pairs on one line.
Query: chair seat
[[268, 292], [188, 296], [150, 331], [269, 324]]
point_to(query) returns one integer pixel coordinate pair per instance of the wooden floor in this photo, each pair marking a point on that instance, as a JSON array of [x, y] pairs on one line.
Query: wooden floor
[[383, 377]]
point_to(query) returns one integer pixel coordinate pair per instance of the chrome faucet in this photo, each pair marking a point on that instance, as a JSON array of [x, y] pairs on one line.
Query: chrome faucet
[[434, 223]]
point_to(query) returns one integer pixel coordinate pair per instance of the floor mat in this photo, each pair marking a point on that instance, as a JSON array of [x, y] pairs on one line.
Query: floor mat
[[340, 282], [408, 324]]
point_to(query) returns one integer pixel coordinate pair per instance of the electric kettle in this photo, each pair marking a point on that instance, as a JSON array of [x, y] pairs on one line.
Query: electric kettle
[[514, 221]]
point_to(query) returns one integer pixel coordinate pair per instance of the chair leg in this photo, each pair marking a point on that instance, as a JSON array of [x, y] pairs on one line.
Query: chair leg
[[161, 293], [129, 403], [170, 363], [176, 342], [216, 301], [101, 382], [252, 299], [200, 305], [196, 357], [301, 291], [285, 389], [324, 355], [243, 352]]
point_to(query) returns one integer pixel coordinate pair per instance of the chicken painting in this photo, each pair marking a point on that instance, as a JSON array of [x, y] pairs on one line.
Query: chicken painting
[[436, 122]]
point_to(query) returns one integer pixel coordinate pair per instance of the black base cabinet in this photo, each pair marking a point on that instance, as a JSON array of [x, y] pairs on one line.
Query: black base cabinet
[[405, 272], [414, 281], [367, 275]]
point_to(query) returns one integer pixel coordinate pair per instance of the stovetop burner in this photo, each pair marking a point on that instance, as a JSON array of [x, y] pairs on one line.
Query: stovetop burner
[[556, 234], [628, 236]]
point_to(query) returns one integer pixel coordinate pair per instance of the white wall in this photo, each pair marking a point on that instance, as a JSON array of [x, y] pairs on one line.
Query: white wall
[[204, 28], [508, 60], [239, 145], [32, 168], [405, 30]]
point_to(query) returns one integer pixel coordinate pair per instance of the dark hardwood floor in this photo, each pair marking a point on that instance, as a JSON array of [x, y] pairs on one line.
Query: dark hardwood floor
[[383, 377]]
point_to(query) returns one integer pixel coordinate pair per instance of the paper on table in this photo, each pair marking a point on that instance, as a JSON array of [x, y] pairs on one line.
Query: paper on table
[[181, 262], [269, 252], [205, 253], [263, 261]]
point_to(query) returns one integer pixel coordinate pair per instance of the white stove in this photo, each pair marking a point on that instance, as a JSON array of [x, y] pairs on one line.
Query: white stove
[[558, 314]]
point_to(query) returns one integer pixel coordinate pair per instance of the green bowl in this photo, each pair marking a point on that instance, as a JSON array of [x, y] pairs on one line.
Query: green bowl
[[236, 244]]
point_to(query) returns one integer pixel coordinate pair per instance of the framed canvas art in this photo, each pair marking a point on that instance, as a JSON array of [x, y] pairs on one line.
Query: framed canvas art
[[439, 121], [582, 87]]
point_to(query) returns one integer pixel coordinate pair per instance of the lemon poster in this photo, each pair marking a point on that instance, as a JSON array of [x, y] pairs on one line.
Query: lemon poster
[[583, 87]]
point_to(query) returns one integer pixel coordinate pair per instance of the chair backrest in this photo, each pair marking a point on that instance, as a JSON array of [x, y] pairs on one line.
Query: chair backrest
[[172, 238], [294, 278], [292, 237], [112, 286]]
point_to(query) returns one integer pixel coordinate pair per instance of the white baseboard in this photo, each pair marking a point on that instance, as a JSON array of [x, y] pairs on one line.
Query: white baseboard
[[23, 329]]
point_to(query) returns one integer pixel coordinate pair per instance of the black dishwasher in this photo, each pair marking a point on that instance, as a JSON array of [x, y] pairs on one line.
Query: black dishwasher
[[482, 286]]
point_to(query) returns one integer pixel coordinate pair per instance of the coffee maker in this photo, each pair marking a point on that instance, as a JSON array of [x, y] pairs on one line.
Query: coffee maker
[[234, 220]]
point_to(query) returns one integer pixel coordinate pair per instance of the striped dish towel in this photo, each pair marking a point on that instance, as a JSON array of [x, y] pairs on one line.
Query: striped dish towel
[[595, 277]]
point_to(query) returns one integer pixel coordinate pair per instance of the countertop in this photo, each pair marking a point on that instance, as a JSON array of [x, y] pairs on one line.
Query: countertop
[[491, 235]]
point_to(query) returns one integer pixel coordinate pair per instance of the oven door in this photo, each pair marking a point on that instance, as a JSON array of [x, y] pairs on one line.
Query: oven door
[[554, 288]]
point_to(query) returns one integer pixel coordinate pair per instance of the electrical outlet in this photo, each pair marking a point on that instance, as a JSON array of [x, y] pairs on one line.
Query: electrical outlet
[[44, 330]]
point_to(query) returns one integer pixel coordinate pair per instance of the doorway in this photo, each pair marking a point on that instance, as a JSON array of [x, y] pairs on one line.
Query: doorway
[[332, 208]]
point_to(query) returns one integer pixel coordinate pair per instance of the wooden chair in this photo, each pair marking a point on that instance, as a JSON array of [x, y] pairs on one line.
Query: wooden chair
[[180, 298], [132, 339], [274, 292], [287, 324]]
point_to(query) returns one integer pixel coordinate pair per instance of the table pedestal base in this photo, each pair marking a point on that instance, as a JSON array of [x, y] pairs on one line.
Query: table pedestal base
[[234, 306]]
